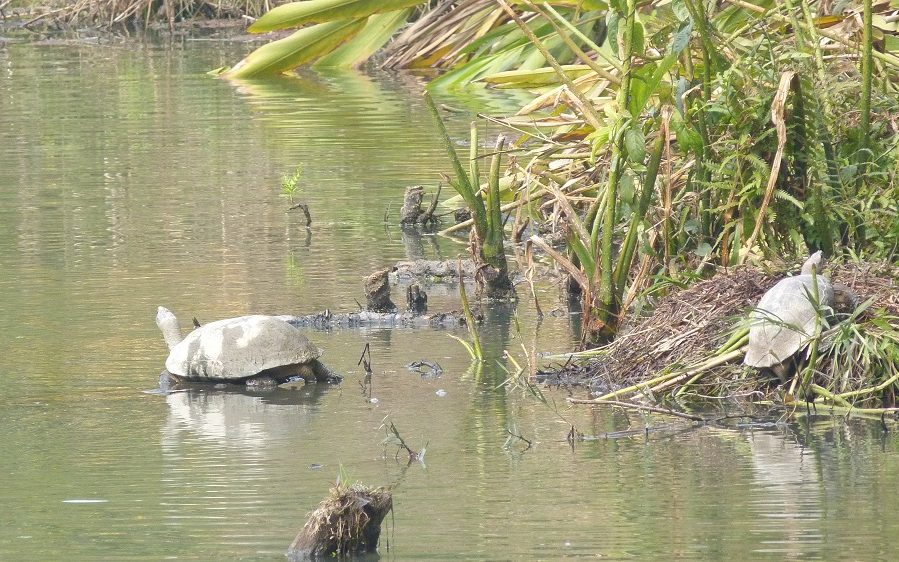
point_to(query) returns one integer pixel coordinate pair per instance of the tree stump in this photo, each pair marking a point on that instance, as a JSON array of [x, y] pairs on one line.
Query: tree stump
[[377, 292], [347, 522], [411, 210], [416, 299]]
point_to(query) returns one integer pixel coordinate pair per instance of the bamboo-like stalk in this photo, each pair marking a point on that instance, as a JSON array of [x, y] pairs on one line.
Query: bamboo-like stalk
[[469, 317], [864, 123], [475, 179], [816, 336], [870, 389], [498, 283], [461, 184], [670, 379], [604, 313], [628, 247]]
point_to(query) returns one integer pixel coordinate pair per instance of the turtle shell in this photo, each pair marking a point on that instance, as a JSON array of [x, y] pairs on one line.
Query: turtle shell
[[784, 320], [237, 348]]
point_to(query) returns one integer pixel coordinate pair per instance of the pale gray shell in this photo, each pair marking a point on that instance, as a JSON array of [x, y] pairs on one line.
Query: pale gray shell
[[784, 320], [237, 348]]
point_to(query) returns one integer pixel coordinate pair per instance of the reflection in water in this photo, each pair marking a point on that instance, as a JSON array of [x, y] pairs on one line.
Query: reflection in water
[[217, 448], [789, 491]]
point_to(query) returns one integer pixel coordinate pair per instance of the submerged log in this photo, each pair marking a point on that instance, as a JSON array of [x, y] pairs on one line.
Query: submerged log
[[326, 320], [347, 522], [433, 270]]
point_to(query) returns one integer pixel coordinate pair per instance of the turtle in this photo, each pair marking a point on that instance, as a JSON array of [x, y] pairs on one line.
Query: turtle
[[256, 350], [783, 322]]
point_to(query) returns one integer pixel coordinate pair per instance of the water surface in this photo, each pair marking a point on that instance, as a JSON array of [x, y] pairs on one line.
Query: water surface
[[130, 179]]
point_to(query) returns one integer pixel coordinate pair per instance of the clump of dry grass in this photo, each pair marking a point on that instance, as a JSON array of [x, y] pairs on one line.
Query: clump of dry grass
[[123, 12], [858, 361], [348, 521]]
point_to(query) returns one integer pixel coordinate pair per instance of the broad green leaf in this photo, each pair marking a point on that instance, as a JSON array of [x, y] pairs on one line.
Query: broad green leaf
[[480, 66], [377, 31], [635, 144], [651, 76], [295, 14], [626, 189], [642, 87], [681, 38], [638, 40], [506, 193], [534, 78], [303, 46]]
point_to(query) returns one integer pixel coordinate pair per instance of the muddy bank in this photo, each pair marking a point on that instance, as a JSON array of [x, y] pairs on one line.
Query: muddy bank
[[689, 329]]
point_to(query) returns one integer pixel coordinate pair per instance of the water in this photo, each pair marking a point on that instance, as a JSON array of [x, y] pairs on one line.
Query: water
[[130, 179]]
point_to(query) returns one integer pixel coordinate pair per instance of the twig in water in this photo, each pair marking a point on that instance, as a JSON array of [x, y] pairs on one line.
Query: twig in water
[[574, 435], [428, 216], [305, 209], [640, 407], [365, 361], [394, 437], [513, 435]]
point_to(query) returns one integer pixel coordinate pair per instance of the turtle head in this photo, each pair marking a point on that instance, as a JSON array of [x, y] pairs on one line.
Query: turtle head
[[815, 261], [168, 323]]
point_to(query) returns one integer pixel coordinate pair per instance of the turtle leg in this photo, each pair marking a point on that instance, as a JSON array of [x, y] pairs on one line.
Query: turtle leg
[[323, 374], [782, 370], [261, 382]]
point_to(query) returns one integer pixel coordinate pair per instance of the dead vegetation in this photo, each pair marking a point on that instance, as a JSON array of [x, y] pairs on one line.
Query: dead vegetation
[[687, 346], [347, 522]]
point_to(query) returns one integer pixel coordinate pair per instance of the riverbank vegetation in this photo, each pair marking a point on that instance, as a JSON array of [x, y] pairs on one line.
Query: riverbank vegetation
[[666, 143], [132, 13]]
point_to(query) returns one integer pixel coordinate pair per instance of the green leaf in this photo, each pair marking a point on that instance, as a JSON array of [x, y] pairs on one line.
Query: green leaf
[[638, 40], [626, 190], [301, 47], [681, 38], [679, 8], [612, 21], [377, 31], [295, 14], [643, 85], [635, 144]]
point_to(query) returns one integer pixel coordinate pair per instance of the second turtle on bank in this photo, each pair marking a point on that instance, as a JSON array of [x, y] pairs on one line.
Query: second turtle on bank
[[254, 350], [784, 320]]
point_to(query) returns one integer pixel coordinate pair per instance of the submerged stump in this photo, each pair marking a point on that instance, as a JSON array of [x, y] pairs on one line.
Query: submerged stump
[[377, 292], [347, 522], [411, 210]]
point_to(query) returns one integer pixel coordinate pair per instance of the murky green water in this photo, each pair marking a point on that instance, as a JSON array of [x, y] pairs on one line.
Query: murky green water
[[129, 179]]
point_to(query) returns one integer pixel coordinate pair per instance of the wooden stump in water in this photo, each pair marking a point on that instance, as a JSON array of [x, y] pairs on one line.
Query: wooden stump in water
[[416, 299], [411, 210], [377, 292], [347, 522]]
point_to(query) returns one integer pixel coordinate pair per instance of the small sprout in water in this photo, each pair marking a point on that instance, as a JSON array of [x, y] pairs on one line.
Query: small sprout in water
[[290, 185]]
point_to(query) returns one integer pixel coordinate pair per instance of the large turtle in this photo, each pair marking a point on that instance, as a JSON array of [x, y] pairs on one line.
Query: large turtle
[[256, 350], [784, 320]]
